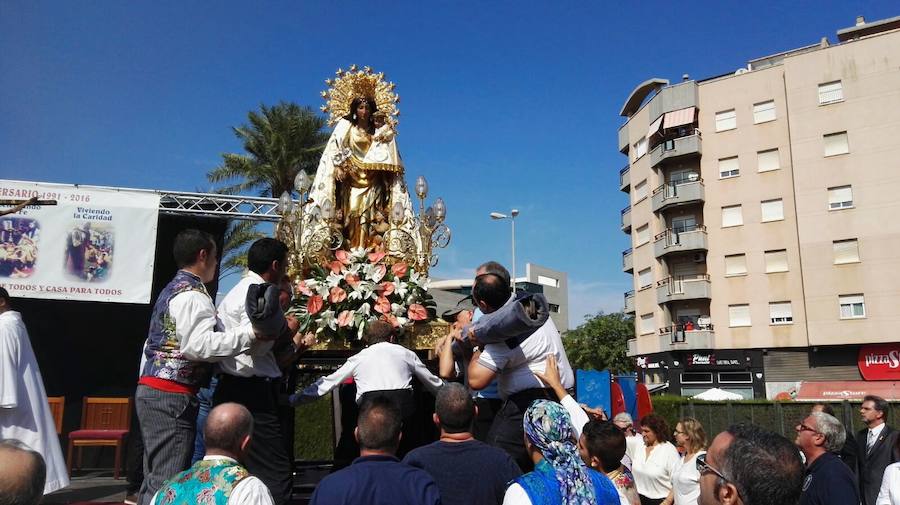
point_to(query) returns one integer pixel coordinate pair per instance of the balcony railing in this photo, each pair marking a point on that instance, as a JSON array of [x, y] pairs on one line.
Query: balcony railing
[[681, 192], [689, 333], [629, 302], [680, 239], [626, 219], [627, 260], [683, 287], [625, 178], [676, 148]]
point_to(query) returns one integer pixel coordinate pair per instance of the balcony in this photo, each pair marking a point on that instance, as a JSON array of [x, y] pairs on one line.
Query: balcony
[[629, 302], [626, 219], [683, 287], [688, 336], [632, 347], [671, 149], [691, 238], [672, 194], [627, 261], [625, 179]]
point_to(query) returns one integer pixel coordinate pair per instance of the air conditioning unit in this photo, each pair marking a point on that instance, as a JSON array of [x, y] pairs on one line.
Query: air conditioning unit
[[741, 71], [699, 257]]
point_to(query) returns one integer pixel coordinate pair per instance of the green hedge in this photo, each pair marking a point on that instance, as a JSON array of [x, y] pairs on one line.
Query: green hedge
[[313, 428]]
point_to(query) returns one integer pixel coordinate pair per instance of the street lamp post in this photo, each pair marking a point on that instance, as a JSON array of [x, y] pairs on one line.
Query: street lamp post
[[512, 217]]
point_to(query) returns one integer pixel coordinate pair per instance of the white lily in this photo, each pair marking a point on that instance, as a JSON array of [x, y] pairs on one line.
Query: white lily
[[364, 309], [400, 288], [333, 280], [327, 319], [397, 309], [358, 253]]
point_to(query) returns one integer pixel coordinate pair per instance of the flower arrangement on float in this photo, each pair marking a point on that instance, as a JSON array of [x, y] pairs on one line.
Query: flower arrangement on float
[[338, 300]]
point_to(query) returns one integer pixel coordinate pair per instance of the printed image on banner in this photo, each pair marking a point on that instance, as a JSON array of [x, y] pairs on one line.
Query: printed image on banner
[[96, 244]]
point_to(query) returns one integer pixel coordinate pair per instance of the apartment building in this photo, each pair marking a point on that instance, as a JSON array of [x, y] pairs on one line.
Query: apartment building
[[764, 220]]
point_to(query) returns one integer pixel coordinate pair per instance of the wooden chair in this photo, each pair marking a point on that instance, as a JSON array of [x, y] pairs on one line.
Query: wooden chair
[[57, 406], [104, 422]]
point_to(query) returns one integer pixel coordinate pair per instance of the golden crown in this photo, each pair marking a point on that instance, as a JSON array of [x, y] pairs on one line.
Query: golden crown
[[356, 83]]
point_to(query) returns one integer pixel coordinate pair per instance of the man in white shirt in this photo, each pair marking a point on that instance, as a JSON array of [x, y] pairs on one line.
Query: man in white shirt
[[253, 379], [184, 338], [227, 433], [515, 364], [381, 369], [24, 412]]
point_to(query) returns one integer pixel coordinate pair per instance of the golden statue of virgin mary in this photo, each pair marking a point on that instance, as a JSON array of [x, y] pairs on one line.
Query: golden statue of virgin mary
[[360, 171]]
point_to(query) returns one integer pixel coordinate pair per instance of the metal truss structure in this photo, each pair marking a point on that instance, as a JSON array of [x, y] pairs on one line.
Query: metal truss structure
[[226, 206]]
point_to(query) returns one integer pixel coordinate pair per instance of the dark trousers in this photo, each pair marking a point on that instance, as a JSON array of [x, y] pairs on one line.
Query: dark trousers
[[650, 501], [507, 432], [487, 411], [268, 457], [134, 457], [168, 425], [412, 430]]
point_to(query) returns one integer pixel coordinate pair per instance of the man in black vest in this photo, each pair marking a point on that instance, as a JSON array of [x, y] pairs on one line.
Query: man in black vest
[[876, 447]]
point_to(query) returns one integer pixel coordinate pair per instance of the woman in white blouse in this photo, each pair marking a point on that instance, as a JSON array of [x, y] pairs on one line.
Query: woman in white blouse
[[890, 485], [653, 461], [689, 435]]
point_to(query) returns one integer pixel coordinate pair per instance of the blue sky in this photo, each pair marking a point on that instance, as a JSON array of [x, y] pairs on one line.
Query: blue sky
[[504, 104]]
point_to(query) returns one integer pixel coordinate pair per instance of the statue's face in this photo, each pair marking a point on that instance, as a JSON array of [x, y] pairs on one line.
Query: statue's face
[[362, 111]]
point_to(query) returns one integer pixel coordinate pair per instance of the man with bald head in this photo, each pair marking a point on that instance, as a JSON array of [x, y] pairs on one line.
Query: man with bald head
[[219, 477], [22, 473]]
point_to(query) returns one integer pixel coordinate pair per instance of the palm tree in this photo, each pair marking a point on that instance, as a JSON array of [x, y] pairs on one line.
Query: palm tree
[[279, 141], [238, 235]]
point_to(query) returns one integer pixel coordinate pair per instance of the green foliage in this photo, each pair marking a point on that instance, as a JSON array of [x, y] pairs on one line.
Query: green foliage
[[600, 343], [313, 426], [238, 236], [279, 142]]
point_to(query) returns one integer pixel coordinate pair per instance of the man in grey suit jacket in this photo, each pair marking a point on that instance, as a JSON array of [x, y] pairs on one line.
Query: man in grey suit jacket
[[876, 447]]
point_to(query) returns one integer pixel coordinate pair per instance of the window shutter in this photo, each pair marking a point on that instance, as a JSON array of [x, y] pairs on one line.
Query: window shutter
[[726, 120], [735, 264], [739, 315], [647, 325], [776, 261], [729, 167], [836, 143], [846, 251], [780, 312], [772, 210], [645, 278], [831, 92], [840, 197], [732, 216], [768, 160], [640, 191], [643, 234], [763, 112]]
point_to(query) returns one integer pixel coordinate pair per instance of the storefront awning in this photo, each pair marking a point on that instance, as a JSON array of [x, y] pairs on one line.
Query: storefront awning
[[679, 117], [847, 390]]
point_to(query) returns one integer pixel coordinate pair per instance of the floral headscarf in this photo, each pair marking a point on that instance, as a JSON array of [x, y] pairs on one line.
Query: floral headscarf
[[549, 428]]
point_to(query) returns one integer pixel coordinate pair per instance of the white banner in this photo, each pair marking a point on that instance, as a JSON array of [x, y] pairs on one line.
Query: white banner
[[96, 244]]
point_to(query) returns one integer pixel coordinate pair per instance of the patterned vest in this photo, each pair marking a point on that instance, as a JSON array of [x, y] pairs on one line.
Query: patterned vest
[[542, 487], [164, 359], [208, 482]]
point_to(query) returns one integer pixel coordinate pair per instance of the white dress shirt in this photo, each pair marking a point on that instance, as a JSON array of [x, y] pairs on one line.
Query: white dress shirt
[[260, 361], [248, 491], [890, 486], [379, 367], [199, 332], [515, 367], [686, 481], [576, 413], [872, 435]]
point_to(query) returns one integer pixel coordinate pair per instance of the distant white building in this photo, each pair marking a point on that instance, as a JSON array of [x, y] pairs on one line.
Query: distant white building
[[552, 283]]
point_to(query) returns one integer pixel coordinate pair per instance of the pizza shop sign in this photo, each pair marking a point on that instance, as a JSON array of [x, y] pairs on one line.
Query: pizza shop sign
[[879, 362]]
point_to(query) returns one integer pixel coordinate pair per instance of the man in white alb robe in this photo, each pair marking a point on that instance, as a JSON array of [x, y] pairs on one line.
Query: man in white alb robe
[[24, 412]]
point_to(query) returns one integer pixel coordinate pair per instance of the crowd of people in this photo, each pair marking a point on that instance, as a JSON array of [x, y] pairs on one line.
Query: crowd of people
[[532, 444]]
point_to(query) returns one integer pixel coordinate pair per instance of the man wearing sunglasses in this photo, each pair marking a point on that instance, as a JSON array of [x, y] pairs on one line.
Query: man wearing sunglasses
[[828, 480], [746, 465]]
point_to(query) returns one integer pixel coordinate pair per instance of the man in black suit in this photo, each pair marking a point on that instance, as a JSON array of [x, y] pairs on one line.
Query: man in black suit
[[876, 447]]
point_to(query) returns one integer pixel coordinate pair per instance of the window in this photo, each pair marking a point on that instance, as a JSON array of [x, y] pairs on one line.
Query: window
[[643, 234], [840, 197], [776, 261], [554, 307], [772, 210], [645, 278], [682, 176], [696, 378], [831, 92], [732, 216], [739, 315], [767, 160], [852, 306], [846, 251], [764, 112], [640, 148], [780, 313], [836, 143], [736, 264], [647, 325], [728, 167], [726, 120], [548, 281], [640, 191], [735, 378]]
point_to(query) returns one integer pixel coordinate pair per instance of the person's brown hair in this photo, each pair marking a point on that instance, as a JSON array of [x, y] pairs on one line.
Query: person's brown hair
[[658, 426]]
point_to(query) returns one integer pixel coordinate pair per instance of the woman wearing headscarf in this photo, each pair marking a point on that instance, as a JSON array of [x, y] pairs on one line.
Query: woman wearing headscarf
[[559, 476]]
